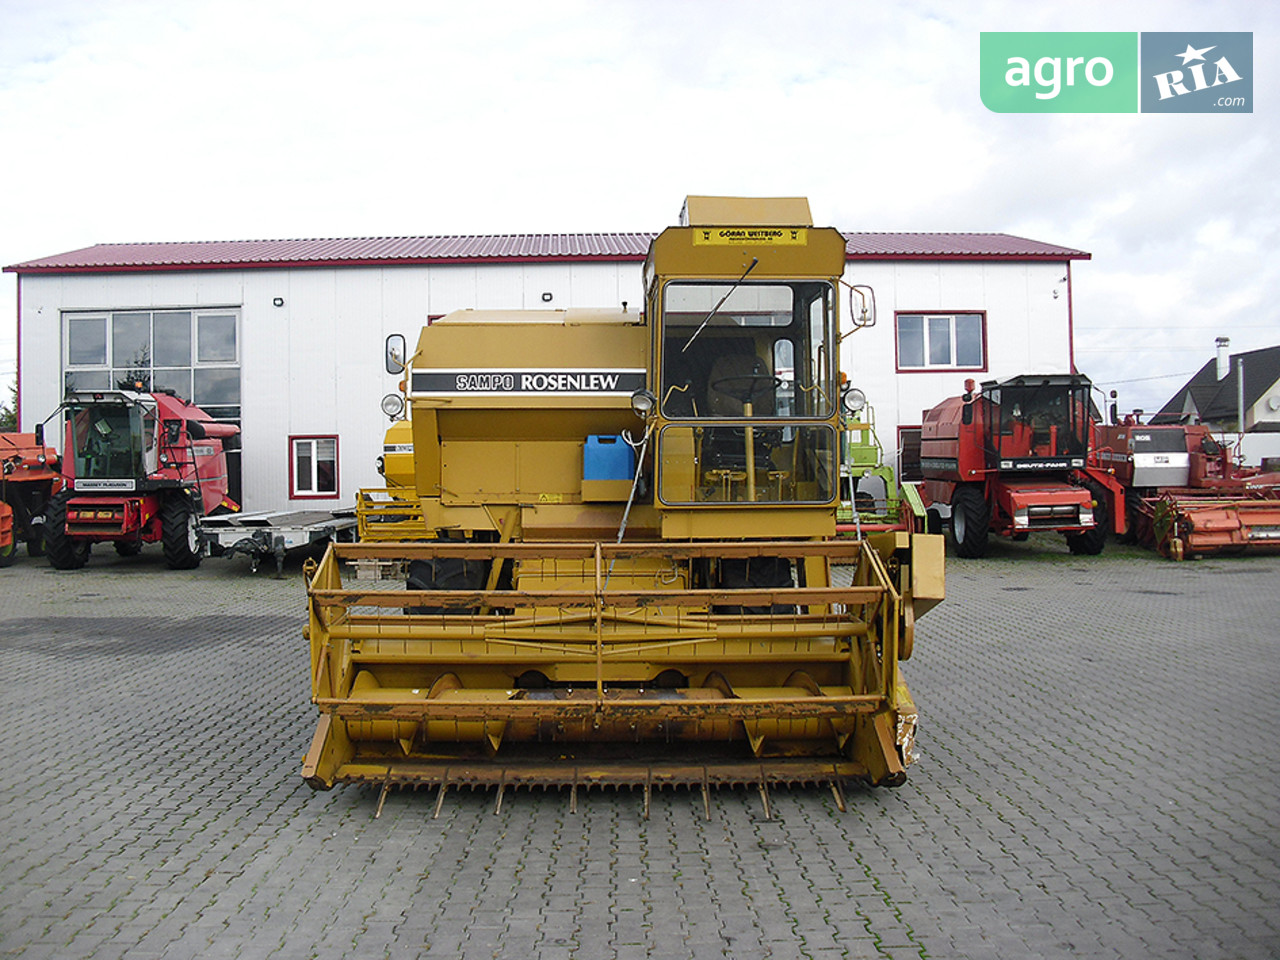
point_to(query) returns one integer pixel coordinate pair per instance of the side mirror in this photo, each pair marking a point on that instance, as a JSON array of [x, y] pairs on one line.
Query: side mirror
[[396, 355]]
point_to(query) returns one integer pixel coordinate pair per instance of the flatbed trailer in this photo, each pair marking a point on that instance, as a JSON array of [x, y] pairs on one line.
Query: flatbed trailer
[[262, 535]]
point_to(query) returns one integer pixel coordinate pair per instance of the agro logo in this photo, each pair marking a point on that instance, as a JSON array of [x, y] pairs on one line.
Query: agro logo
[[1197, 72], [1059, 72]]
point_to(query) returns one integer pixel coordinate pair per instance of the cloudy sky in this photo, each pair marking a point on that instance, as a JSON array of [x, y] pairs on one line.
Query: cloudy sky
[[132, 120]]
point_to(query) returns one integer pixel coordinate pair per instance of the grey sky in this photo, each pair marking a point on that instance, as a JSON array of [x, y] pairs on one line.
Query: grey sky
[[145, 121]]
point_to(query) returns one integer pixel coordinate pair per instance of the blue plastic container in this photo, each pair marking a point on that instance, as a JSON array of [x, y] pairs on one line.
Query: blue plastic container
[[608, 458]]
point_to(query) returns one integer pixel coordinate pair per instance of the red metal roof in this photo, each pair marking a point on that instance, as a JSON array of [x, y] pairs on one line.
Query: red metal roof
[[954, 246], [503, 248]]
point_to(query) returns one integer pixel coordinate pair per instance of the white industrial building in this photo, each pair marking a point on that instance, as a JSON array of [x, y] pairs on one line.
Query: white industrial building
[[286, 337]]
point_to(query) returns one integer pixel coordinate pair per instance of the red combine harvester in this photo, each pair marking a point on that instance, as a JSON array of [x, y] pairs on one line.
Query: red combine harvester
[[28, 480], [140, 468], [1184, 494], [1014, 458]]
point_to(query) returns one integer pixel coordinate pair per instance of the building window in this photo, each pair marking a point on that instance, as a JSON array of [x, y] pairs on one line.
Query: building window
[[194, 353], [313, 467], [942, 341]]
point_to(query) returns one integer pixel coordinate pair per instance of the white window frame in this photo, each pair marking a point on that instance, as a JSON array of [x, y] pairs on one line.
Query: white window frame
[[297, 490], [927, 315]]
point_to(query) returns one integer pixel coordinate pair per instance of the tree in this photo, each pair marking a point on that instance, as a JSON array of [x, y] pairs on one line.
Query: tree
[[9, 411]]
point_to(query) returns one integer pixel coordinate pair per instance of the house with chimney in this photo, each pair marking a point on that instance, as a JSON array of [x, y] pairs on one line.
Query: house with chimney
[[1234, 393]]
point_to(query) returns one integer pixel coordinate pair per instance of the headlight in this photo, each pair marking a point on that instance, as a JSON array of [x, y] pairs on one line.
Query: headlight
[[393, 405], [642, 403]]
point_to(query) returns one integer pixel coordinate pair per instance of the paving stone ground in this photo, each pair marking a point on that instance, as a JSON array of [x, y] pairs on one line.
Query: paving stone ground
[[1100, 779]]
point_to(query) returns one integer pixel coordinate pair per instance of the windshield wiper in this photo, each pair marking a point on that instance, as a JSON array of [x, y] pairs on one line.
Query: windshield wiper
[[707, 319]]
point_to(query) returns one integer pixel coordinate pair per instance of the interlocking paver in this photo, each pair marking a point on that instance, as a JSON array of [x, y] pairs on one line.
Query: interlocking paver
[[1101, 743]]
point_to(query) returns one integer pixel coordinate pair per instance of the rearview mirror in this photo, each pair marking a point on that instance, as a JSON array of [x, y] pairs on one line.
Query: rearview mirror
[[395, 353]]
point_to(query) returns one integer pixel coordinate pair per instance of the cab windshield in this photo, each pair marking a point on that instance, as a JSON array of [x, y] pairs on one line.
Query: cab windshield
[[751, 350], [1049, 420], [112, 441], [743, 365]]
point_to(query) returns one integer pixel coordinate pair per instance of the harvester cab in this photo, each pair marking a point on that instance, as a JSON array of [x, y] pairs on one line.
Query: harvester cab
[[634, 577], [139, 467], [1036, 423]]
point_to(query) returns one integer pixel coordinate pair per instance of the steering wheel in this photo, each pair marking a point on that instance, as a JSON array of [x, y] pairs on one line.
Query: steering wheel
[[747, 387]]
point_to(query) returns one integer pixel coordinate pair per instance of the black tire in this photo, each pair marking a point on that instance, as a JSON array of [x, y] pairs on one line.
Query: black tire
[[755, 572], [446, 573], [932, 520], [970, 519], [7, 552], [128, 548], [180, 533], [35, 546], [64, 553], [1091, 542]]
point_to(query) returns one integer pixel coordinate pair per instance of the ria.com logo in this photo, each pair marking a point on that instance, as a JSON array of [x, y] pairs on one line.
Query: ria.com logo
[[1113, 72]]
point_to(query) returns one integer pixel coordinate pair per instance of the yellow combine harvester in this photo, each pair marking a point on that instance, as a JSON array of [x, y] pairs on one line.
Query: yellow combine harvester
[[635, 577]]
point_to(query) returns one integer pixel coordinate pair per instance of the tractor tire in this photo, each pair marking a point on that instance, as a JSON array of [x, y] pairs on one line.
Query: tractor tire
[[446, 573], [180, 533], [970, 520], [35, 546], [1091, 542], [757, 573], [932, 520], [64, 553], [7, 552], [128, 548]]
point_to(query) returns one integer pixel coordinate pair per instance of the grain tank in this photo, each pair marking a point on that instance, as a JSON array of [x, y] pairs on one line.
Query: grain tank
[[635, 577]]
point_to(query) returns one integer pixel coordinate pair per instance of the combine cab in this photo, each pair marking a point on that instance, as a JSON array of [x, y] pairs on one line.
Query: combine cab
[[635, 577], [28, 480], [140, 468], [1014, 459], [1184, 495]]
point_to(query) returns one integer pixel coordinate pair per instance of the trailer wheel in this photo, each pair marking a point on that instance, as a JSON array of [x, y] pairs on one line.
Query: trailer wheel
[[970, 518], [1091, 542], [7, 552], [64, 553], [180, 533]]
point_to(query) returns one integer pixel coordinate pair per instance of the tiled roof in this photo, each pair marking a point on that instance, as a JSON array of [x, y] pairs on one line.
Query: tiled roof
[[1215, 400], [504, 248]]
